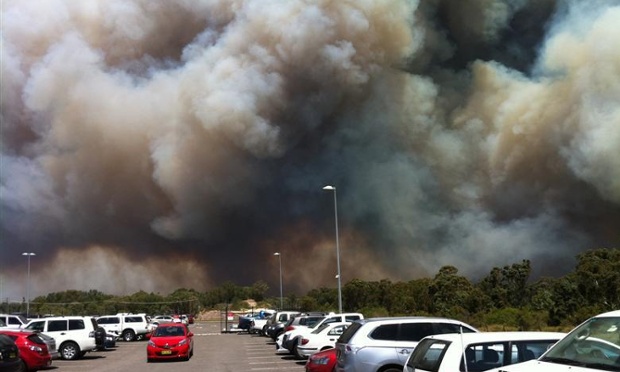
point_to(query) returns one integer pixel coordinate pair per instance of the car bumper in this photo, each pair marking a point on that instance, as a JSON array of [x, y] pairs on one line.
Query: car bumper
[[172, 353], [307, 351], [37, 361]]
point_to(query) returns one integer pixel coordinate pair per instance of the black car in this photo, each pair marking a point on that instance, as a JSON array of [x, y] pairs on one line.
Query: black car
[[9, 355]]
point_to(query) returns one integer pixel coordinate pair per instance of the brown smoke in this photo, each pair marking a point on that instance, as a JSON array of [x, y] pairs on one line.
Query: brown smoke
[[194, 137]]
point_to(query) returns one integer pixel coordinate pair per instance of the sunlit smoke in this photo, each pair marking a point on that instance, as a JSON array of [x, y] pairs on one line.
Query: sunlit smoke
[[189, 140]]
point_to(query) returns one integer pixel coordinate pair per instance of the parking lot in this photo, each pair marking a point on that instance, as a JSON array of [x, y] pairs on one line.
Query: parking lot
[[213, 351]]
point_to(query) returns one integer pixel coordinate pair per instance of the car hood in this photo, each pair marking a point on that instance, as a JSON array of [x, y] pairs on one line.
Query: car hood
[[538, 366]]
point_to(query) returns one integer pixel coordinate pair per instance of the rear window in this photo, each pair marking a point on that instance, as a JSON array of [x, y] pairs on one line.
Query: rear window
[[76, 324], [349, 333], [427, 355], [34, 338], [351, 318]]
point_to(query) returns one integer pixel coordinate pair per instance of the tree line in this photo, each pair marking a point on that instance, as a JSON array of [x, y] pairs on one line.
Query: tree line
[[506, 297]]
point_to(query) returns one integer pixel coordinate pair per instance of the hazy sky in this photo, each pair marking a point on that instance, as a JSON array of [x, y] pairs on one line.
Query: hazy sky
[[163, 144]]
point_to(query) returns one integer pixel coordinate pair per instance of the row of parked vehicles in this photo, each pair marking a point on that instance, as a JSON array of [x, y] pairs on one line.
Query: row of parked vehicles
[[350, 343], [29, 345]]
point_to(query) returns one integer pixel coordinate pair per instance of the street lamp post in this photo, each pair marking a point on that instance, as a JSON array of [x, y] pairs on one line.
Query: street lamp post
[[339, 276], [28, 254], [280, 261]]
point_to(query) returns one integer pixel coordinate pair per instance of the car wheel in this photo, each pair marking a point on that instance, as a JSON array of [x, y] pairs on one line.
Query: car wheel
[[70, 351], [129, 335], [296, 353], [22, 367]]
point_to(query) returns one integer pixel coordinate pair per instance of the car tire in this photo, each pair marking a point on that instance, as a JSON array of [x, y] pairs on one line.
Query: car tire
[[296, 353], [22, 367], [70, 351], [129, 335]]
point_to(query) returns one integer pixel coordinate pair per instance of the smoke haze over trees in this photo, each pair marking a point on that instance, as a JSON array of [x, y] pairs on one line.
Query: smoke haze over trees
[[163, 144]]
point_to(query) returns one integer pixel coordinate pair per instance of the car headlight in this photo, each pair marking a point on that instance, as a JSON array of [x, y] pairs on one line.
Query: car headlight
[[151, 343], [183, 342]]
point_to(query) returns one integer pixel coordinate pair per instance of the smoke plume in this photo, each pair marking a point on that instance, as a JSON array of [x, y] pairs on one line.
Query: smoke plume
[[164, 144]]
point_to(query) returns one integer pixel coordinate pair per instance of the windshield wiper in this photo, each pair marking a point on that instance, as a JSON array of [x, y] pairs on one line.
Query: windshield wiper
[[603, 366], [570, 362]]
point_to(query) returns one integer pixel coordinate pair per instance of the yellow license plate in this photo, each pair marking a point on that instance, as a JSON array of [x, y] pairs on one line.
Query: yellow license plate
[[166, 352], [12, 355]]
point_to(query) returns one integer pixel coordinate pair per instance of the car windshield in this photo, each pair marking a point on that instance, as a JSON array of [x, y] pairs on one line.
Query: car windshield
[[595, 344], [169, 331]]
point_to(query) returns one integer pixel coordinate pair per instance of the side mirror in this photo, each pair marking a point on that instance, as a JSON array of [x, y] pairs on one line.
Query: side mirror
[[190, 334]]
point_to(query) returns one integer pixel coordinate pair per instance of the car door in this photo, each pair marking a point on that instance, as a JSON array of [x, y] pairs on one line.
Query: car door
[[408, 337]]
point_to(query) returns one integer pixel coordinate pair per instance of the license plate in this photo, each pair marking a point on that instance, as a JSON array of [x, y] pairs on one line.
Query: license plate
[[166, 352], [12, 356]]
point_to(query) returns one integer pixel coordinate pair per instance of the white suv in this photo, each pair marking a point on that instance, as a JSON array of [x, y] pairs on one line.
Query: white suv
[[74, 335], [384, 344], [127, 326]]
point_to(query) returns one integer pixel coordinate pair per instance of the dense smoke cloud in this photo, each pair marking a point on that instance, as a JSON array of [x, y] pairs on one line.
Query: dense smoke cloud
[[164, 144]]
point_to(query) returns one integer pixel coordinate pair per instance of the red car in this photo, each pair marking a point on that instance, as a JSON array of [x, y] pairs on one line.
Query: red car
[[323, 361], [32, 349], [170, 341]]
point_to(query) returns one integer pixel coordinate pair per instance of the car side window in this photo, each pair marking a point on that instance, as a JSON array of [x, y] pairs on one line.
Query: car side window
[[523, 351], [57, 325], [415, 331], [37, 326], [114, 320], [351, 318], [385, 332], [76, 324], [14, 321]]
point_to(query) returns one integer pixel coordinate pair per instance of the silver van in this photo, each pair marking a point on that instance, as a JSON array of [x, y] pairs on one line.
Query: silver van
[[384, 344]]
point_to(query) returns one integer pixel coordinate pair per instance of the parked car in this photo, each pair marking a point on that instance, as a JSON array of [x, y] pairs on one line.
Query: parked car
[[482, 351], [51, 345], [74, 335], [323, 361], [104, 339], [9, 355], [170, 341], [128, 326], [32, 349], [291, 338], [384, 344], [295, 325], [592, 346], [259, 323], [275, 325], [13, 320], [322, 338]]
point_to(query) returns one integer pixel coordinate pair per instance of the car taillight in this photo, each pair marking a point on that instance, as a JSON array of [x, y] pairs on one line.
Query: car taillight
[[304, 341], [91, 334], [289, 328], [36, 349]]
